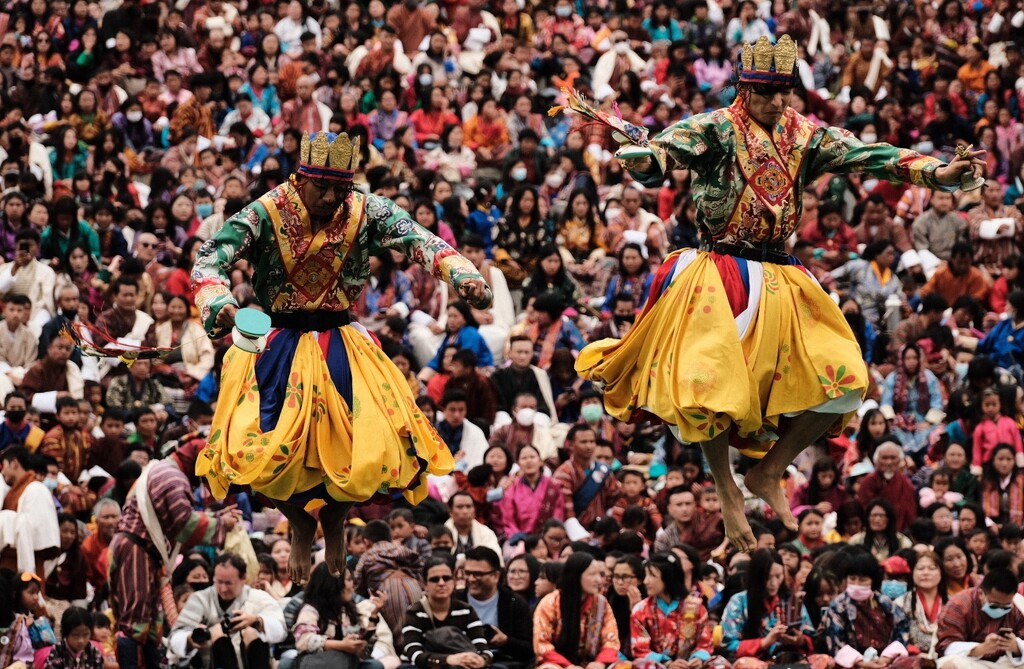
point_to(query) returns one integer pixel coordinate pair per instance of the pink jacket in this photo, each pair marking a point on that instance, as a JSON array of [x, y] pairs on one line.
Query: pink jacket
[[988, 433], [525, 510]]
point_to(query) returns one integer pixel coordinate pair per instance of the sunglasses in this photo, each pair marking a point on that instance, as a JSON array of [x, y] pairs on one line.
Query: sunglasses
[[478, 574], [440, 579], [147, 245]]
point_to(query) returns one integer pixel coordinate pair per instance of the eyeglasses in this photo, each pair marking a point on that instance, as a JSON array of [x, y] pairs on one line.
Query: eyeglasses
[[623, 577], [518, 572], [477, 574], [147, 245], [440, 579]]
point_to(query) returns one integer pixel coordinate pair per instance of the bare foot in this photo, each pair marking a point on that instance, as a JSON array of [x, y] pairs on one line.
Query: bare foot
[[332, 519], [737, 529], [303, 529], [766, 486]]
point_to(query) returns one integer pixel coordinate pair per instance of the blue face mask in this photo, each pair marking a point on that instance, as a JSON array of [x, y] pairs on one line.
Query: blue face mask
[[996, 611], [50, 483], [204, 209], [894, 589]]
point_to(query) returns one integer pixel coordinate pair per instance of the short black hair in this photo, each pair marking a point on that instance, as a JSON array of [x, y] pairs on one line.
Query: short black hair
[[453, 395], [465, 357], [576, 429], [66, 403], [1000, 580], [377, 531], [484, 554], [19, 300]]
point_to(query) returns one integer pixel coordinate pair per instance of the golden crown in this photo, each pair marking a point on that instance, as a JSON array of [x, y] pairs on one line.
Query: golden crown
[[762, 63], [325, 155]]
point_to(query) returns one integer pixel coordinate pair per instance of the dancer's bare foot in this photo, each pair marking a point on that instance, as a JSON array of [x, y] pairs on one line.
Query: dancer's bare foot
[[303, 529], [765, 484], [737, 528], [332, 519]]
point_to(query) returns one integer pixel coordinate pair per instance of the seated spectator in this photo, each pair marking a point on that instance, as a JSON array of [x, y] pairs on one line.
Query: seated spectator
[[889, 482], [521, 575], [881, 537], [831, 234], [32, 538], [389, 568], [53, 377], [402, 524], [66, 442], [1002, 487], [761, 622], [504, 614], [18, 344], [467, 530], [982, 626], [331, 622], [688, 524], [588, 487], [862, 619], [526, 428], [552, 330], [574, 625], [533, 497], [634, 494], [67, 582], [627, 591], [922, 603], [439, 610], [658, 632], [466, 441], [871, 279], [240, 622], [823, 490], [75, 648], [958, 277], [16, 430], [461, 330], [522, 377], [27, 275], [96, 546], [137, 390]]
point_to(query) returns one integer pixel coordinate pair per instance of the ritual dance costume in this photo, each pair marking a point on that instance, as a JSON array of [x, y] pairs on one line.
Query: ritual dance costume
[[321, 414], [737, 335]]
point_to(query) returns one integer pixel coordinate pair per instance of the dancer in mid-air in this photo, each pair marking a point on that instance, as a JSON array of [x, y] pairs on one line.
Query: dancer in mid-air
[[737, 342], [320, 418]]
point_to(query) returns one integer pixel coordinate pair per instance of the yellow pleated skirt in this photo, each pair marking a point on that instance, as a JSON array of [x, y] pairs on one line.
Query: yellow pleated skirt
[[726, 344], [284, 427]]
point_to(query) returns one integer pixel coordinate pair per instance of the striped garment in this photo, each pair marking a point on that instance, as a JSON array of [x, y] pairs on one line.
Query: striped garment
[[418, 622], [134, 571]]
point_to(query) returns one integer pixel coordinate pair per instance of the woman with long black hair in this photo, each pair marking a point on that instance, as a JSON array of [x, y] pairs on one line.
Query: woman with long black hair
[[672, 622], [626, 592], [550, 276], [591, 637], [764, 621], [881, 537], [388, 293]]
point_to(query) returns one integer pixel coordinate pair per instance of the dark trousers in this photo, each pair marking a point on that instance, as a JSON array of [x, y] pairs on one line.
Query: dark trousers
[[256, 655], [128, 654]]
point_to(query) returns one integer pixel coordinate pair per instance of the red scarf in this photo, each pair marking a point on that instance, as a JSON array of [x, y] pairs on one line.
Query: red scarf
[[901, 394]]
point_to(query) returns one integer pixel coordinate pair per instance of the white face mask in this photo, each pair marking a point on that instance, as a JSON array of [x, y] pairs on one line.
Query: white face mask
[[525, 416], [925, 148], [519, 174], [426, 79], [869, 138], [621, 47], [564, 12], [134, 116], [612, 213], [554, 180]]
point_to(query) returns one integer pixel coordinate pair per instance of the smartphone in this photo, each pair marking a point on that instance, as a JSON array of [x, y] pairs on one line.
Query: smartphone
[[24, 247], [1006, 631], [367, 633]]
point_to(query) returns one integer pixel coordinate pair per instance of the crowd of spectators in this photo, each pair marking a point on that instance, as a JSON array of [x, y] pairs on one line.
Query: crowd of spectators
[[130, 131]]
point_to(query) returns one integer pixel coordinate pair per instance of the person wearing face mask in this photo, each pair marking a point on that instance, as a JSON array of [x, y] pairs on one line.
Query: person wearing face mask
[[981, 628], [864, 628], [15, 430], [528, 427], [565, 22], [612, 65], [36, 535]]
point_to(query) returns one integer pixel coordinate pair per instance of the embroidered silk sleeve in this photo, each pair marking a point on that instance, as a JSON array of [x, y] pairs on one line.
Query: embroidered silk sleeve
[[681, 146], [211, 273], [392, 228], [839, 152]]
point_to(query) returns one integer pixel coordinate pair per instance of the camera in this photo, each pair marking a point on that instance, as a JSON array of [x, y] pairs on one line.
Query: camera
[[25, 247], [226, 623], [161, 235], [200, 636]]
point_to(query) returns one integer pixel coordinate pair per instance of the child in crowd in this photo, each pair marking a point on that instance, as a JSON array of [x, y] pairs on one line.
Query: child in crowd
[[993, 429], [403, 531]]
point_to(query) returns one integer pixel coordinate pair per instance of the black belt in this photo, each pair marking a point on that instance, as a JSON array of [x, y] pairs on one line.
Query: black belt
[[773, 253], [310, 321]]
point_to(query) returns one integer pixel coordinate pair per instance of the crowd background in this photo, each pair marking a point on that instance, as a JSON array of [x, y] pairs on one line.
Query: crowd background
[[130, 131]]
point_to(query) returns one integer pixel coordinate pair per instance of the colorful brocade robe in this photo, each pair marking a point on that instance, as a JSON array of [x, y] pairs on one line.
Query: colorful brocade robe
[[747, 183], [299, 269]]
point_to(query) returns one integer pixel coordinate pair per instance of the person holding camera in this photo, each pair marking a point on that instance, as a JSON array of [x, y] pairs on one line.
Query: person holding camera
[[228, 621], [982, 627]]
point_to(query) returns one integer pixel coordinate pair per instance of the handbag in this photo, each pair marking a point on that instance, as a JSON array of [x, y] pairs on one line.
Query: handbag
[[327, 659], [446, 640]]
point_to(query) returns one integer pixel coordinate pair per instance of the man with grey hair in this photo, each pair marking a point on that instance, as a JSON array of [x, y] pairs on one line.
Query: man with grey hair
[[68, 300], [96, 546], [889, 482]]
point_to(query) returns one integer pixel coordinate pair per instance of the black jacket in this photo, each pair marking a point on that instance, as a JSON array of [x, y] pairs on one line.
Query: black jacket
[[516, 621]]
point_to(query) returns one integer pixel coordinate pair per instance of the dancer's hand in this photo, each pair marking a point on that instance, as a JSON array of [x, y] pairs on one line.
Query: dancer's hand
[[949, 175], [475, 291], [226, 317]]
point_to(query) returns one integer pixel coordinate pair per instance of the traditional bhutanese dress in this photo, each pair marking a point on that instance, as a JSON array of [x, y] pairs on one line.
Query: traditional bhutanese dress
[[317, 415], [726, 343]]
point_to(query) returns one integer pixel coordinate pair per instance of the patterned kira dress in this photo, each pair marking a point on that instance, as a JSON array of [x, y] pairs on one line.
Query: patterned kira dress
[[317, 415], [727, 343]]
